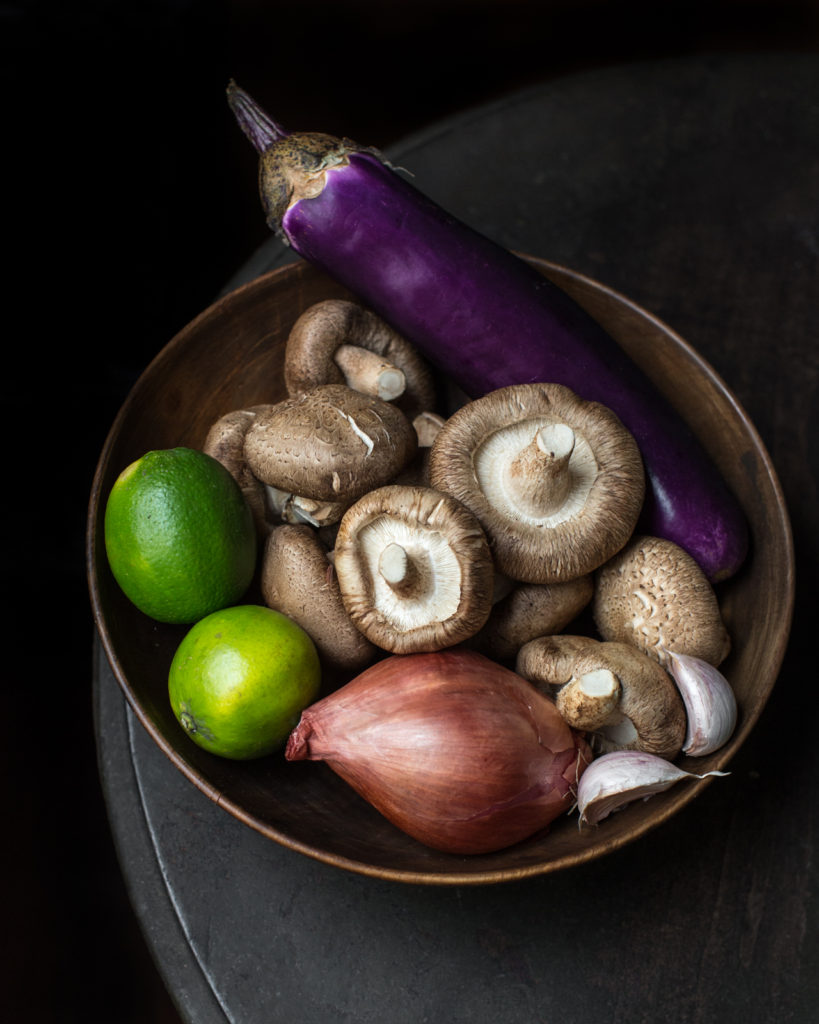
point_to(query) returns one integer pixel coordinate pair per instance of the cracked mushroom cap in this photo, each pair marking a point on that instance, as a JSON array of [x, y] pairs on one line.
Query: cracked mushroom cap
[[225, 441], [340, 342], [626, 700], [556, 482], [655, 596], [414, 569], [332, 444], [298, 579]]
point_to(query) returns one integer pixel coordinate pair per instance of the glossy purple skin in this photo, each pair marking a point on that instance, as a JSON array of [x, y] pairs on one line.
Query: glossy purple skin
[[487, 319]]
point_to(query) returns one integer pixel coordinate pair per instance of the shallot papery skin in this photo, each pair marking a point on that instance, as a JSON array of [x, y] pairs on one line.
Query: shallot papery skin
[[457, 751]]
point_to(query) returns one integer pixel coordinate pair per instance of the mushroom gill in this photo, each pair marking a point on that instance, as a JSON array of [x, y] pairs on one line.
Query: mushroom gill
[[414, 569], [556, 482]]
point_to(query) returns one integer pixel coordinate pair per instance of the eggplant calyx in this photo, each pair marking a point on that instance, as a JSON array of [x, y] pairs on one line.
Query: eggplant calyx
[[292, 166], [295, 168]]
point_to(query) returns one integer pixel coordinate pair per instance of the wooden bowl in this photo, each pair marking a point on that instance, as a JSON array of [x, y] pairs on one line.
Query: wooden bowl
[[232, 356]]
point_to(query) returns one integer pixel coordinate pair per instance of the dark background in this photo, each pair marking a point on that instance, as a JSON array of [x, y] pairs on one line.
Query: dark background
[[129, 200]]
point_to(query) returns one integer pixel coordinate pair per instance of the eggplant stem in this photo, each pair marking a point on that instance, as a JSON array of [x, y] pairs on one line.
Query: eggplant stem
[[258, 126]]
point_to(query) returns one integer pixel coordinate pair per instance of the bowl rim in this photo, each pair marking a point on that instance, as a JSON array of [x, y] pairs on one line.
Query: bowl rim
[[682, 794]]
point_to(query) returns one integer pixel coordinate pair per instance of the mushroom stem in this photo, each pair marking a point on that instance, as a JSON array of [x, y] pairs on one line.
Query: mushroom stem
[[539, 474], [589, 700], [427, 427], [400, 571], [296, 509], [367, 372]]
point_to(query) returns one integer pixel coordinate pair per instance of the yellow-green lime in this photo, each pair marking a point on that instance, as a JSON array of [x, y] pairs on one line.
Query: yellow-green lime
[[240, 679], [179, 535]]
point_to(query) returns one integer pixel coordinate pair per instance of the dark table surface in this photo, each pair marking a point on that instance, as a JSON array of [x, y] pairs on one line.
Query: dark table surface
[[692, 186]]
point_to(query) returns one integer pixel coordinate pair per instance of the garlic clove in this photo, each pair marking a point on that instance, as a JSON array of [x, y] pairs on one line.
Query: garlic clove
[[709, 701], [614, 780]]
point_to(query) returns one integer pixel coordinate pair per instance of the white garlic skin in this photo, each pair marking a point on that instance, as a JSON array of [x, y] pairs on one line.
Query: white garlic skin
[[614, 780], [709, 701]]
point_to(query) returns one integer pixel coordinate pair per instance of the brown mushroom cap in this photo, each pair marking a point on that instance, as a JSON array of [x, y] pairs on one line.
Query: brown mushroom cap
[[531, 610], [556, 482], [331, 343], [225, 442], [332, 444], [624, 697], [654, 595], [414, 569], [298, 579]]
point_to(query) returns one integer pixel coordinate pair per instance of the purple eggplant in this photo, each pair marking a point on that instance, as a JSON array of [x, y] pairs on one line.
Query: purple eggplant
[[481, 314]]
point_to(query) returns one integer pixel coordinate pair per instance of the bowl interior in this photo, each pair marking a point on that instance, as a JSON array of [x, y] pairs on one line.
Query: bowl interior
[[232, 356]]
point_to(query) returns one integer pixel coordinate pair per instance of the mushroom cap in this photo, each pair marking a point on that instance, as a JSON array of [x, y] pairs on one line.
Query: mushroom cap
[[448, 595], [327, 325], [225, 442], [298, 579], [654, 595], [531, 610], [582, 510], [331, 444], [650, 714]]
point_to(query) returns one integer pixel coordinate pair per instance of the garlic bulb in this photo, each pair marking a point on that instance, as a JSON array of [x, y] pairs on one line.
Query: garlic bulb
[[460, 753], [709, 702], [614, 780]]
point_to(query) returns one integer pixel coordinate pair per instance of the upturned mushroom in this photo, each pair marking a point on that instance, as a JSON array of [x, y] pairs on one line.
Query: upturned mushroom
[[340, 342], [330, 445], [530, 610], [225, 442], [556, 482], [616, 693], [414, 569], [298, 579], [653, 595]]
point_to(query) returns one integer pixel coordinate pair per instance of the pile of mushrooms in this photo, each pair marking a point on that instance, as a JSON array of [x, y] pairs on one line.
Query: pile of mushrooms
[[390, 527]]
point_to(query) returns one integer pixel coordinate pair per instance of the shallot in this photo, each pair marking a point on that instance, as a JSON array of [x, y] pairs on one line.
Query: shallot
[[457, 751]]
